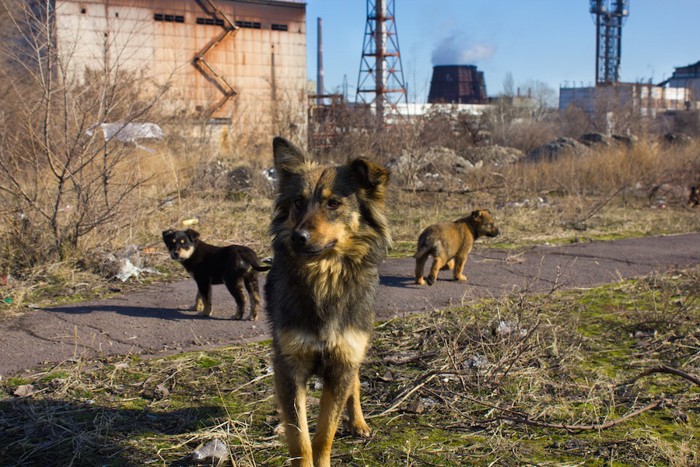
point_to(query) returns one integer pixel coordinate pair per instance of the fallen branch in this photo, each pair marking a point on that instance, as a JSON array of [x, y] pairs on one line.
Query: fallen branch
[[600, 205], [663, 369], [518, 417], [422, 381], [563, 426]]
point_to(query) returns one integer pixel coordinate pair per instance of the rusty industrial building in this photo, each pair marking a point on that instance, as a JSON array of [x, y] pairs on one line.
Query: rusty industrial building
[[457, 84], [237, 63]]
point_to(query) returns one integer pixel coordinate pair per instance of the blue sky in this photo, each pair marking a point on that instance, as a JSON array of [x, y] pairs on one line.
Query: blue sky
[[550, 41]]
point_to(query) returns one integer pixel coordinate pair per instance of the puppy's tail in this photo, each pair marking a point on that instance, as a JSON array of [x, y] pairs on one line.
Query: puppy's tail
[[260, 268], [251, 259], [421, 251], [423, 246]]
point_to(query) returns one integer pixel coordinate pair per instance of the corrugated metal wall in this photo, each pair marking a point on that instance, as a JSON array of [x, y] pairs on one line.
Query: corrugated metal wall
[[263, 61]]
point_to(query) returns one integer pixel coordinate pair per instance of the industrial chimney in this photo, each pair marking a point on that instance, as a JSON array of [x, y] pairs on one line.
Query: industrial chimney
[[457, 84], [319, 64]]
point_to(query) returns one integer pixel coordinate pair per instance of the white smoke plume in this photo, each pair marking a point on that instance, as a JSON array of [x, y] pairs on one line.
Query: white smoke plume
[[456, 49]]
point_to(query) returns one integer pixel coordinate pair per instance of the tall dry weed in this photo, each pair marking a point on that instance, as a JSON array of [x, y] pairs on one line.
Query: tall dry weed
[[600, 172]]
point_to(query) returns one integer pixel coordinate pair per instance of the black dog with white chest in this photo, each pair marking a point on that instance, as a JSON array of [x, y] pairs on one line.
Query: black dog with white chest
[[236, 266]]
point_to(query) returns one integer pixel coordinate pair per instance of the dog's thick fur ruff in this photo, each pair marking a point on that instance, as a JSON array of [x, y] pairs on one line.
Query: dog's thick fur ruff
[[450, 244], [329, 237], [236, 266]]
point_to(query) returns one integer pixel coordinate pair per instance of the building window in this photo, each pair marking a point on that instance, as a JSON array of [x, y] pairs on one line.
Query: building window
[[169, 18], [248, 24], [280, 27], [83, 11], [211, 21]]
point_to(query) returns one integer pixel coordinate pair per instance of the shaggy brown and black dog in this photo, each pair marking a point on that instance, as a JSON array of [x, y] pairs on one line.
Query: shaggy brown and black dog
[[329, 236], [450, 243]]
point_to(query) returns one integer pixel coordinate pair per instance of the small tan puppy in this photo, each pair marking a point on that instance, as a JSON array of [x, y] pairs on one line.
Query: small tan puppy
[[450, 243]]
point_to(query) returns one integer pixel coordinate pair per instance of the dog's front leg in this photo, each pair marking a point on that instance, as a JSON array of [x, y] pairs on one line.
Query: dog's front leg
[[198, 303], [459, 267], [356, 420], [337, 386], [291, 395], [204, 287]]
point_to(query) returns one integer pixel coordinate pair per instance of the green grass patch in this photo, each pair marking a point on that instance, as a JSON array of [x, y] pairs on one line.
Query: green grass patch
[[526, 380]]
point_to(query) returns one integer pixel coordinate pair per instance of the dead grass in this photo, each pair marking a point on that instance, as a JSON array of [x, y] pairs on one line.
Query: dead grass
[[612, 193], [564, 378]]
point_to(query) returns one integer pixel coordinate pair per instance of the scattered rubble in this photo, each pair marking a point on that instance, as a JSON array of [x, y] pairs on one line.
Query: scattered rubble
[[599, 139], [507, 328], [24, 390], [676, 139], [553, 150], [214, 451], [125, 264], [494, 155], [441, 168]]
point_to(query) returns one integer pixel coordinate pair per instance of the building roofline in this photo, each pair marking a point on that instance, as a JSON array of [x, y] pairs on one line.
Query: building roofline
[[288, 3]]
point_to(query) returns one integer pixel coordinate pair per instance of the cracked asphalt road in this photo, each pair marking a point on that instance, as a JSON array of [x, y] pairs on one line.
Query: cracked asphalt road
[[153, 321]]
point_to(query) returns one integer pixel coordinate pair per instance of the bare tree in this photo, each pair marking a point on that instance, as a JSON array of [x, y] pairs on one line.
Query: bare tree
[[60, 181]]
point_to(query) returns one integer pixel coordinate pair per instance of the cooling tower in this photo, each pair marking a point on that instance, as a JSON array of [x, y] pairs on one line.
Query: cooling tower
[[457, 84]]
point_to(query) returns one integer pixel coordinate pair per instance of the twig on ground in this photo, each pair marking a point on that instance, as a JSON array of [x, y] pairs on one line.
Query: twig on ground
[[663, 369], [600, 205], [593, 427]]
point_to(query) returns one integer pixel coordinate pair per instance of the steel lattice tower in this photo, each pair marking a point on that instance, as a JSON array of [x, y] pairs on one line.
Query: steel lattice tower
[[380, 81], [609, 18]]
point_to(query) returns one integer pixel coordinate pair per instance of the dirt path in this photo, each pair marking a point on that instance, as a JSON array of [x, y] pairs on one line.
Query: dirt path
[[153, 321]]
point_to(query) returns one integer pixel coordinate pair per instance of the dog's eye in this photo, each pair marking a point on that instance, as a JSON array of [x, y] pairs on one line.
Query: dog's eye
[[333, 204], [299, 203]]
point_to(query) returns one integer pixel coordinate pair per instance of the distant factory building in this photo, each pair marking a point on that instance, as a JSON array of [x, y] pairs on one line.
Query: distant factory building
[[686, 77], [645, 100], [235, 62], [457, 84]]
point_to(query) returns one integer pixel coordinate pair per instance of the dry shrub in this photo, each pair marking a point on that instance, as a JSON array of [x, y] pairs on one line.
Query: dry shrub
[[606, 171]]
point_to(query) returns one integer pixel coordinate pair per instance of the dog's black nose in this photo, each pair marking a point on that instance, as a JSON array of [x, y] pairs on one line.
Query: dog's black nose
[[300, 237]]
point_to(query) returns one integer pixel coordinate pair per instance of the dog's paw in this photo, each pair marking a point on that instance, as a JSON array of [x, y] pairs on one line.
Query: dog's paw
[[420, 281], [461, 278], [430, 280], [360, 430], [237, 316]]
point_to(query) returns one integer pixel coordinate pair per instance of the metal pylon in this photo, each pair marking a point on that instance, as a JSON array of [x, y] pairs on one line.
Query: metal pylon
[[609, 17], [380, 82]]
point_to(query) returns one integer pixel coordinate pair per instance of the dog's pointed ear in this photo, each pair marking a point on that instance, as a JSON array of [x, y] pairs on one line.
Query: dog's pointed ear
[[476, 214], [369, 174], [287, 156], [167, 234], [192, 234]]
